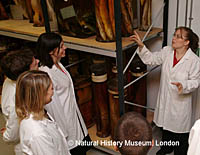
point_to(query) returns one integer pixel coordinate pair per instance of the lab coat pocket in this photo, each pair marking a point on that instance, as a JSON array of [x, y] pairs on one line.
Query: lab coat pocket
[[173, 88], [182, 74]]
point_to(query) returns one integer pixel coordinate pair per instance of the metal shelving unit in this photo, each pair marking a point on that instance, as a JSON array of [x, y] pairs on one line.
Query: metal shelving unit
[[90, 45]]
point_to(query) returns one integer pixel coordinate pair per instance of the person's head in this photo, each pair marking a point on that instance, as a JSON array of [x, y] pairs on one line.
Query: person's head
[[34, 89], [16, 62], [134, 127], [184, 36], [50, 49]]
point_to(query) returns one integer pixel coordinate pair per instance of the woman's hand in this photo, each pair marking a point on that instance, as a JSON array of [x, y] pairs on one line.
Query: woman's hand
[[137, 39], [179, 86]]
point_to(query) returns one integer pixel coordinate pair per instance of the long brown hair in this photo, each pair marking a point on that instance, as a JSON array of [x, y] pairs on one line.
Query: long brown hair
[[16, 62], [191, 36], [31, 91]]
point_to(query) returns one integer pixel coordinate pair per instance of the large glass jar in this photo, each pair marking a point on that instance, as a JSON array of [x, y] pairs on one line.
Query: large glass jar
[[105, 20], [76, 18]]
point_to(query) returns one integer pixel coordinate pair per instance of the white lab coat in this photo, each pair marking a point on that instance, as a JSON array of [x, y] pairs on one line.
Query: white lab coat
[[63, 107], [194, 139], [173, 111], [8, 108], [196, 105], [42, 137]]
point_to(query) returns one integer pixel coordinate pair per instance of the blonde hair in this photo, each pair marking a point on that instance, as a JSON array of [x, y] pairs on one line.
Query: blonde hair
[[31, 91]]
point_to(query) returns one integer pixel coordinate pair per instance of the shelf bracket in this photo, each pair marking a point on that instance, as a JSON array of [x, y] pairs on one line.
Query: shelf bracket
[[46, 16], [117, 11]]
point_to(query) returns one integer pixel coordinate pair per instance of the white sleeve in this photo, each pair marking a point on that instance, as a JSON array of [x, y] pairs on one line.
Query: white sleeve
[[12, 127], [193, 81], [153, 58], [194, 141]]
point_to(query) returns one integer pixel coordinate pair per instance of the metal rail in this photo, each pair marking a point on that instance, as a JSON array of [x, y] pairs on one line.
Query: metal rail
[[138, 105], [186, 12], [140, 77], [117, 10], [177, 12], [46, 16], [75, 63], [191, 18]]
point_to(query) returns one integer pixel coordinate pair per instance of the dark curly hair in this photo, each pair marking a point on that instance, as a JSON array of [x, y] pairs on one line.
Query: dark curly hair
[[16, 62], [133, 128]]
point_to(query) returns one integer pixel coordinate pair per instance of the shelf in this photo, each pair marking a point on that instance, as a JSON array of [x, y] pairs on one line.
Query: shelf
[[24, 30], [20, 29]]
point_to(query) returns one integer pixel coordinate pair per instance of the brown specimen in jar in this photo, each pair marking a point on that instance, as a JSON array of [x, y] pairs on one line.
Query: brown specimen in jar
[[106, 19], [99, 21], [126, 17], [146, 13], [103, 20], [112, 15], [129, 6], [3, 14]]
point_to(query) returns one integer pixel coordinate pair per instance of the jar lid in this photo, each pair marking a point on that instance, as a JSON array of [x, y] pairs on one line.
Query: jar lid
[[98, 69]]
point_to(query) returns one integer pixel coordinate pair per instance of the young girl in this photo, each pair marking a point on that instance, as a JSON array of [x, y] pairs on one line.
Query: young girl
[[63, 108], [38, 134], [180, 75], [13, 64]]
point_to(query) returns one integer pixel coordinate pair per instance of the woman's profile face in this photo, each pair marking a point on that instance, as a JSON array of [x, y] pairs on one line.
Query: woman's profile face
[[59, 52], [179, 39], [49, 93]]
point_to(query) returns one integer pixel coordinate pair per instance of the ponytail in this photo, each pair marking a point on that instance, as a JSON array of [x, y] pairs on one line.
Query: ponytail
[[192, 37], [194, 43]]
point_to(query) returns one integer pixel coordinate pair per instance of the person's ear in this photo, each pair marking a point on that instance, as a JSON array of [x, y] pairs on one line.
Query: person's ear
[[186, 42], [52, 52]]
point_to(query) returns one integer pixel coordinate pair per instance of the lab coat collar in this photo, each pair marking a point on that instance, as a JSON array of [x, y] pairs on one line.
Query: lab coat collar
[[11, 81], [187, 54], [183, 59], [44, 121], [58, 70], [62, 74]]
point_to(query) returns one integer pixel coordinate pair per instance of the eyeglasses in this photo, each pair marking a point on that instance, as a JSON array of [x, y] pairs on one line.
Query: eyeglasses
[[179, 36]]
